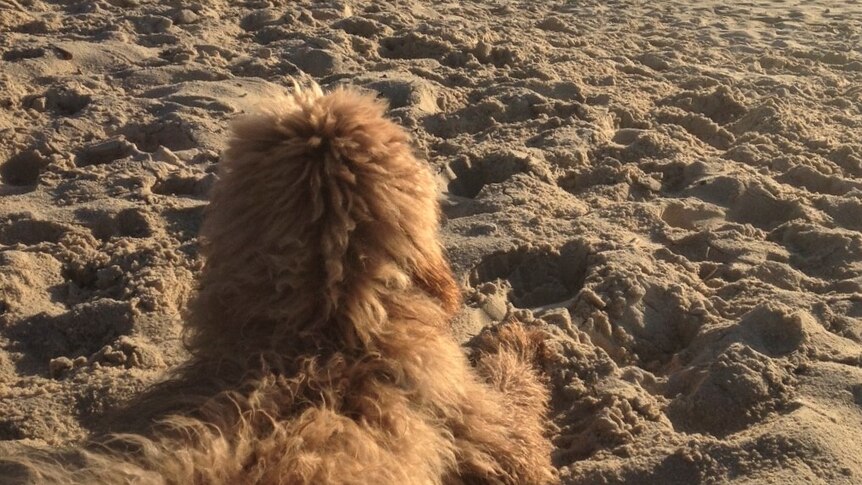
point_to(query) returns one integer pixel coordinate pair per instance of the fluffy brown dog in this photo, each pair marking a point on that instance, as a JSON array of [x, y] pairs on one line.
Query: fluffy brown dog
[[320, 334]]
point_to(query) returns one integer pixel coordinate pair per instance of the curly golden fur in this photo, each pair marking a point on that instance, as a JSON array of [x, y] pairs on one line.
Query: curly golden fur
[[320, 341]]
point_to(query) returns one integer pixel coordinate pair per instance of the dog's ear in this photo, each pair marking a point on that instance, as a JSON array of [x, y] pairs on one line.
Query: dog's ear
[[434, 276]]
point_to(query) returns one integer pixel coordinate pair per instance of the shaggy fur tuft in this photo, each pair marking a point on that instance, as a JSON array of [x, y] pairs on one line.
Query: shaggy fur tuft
[[321, 350]]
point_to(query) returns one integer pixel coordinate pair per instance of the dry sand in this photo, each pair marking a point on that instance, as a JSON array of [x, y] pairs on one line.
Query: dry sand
[[673, 188]]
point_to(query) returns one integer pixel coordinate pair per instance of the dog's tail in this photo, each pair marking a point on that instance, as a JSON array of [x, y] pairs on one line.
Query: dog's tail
[[321, 211]]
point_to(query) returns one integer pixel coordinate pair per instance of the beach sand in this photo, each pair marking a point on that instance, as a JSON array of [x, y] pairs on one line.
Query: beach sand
[[673, 189]]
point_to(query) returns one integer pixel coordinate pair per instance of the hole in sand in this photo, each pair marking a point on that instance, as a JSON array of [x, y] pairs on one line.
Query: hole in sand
[[101, 223], [184, 223], [10, 429], [184, 185], [23, 168], [26, 53], [538, 277], [149, 137], [104, 152], [761, 208], [469, 176], [134, 223], [83, 330], [105, 224], [66, 101], [690, 216], [413, 46], [29, 232]]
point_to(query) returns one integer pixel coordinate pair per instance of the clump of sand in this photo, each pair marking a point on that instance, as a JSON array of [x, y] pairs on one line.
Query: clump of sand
[[674, 190]]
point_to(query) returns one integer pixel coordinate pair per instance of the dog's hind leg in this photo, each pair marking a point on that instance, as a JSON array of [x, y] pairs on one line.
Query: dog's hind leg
[[507, 359], [501, 434]]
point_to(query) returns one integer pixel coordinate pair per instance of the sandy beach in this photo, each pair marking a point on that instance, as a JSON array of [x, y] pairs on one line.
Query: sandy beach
[[672, 189]]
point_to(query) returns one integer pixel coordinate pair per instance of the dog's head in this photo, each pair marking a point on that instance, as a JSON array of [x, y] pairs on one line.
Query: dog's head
[[321, 199]]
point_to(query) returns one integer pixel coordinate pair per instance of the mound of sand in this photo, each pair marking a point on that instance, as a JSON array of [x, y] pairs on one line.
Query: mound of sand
[[674, 189]]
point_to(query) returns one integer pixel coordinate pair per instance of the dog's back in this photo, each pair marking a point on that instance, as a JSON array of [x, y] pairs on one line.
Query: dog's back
[[321, 212]]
